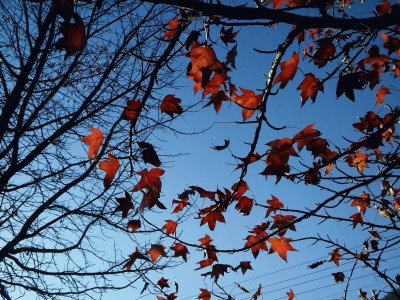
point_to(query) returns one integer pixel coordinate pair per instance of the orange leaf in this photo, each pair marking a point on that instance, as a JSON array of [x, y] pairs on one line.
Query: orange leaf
[[380, 95], [171, 105], [124, 205], [391, 43], [283, 221], [309, 88], [149, 180], [133, 257], [180, 250], [205, 241], [305, 136], [170, 227], [358, 160], [288, 70], [335, 256], [324, 53], [241, 189], [204, 295], [111, 167], [274, 205], [180, 204], [256, 243], [173, 27], [361, 202], [216, 99], [249, 102], [156, 251], [281, 246], [290, 295], [94, 142]]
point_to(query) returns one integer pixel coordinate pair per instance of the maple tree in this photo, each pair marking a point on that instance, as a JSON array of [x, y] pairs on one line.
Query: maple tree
[[87, 100]]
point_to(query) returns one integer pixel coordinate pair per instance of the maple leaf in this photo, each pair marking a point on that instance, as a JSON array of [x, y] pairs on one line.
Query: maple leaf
[[74, 36], [288, 70], [380, 95], [210, 256], [358, 160], [257, 293], [131, 110], [244, 205], [396, 204], [111, 167], [124, 204], [222, 147], [180, 250], [243, 266], [203, 193], [240, 189], [150, 199], [357, 219], [94, 142], [324, 53], [309, 88], [133, 225], [348, 83], [149, 155], [317, 146], [383, 9], [249, 102], [283, 222], [172, 30], [211, 215], [231, 57], [149, 180], [280, 245], [217, 271], [171, 105], [374, 245], [227, 35], [370, 122], [180, 204], [156, 251], [256, 243], [133, 257], [205, 241], [204, 295], [375, 234], [290, 295], [338, 276], [304, 136], [362, 203], [391, 43], [170, 227], [216, 99], [163, 283], [274, 205], [335, 256]]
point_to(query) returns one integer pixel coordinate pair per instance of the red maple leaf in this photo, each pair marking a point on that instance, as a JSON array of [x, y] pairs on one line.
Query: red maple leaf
[[249, 102], [244, 205], [244, 266], [380, 95], [111, 167], [203, 193], [357, 219], [170, 227], [309, 88], [181, 204], [358, 160], [211, 215], [391, 43], [288, 70], [149, 180], [124, 204], [204, 295], [338, 276], [228, 35], [171, 105], [283, 222], [133, 257], [131, 110], [156, 251], [362, 203], [180, 250], [305, 136], [94, 142], [274, 205], [324, 53], [241, 189], [173, 27], [280, 245], [290, 295], [256, 243], [216, 99], [335, 256]]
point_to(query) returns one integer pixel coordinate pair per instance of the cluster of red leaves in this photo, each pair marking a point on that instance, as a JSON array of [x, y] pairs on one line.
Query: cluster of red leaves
[[280, 151]]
